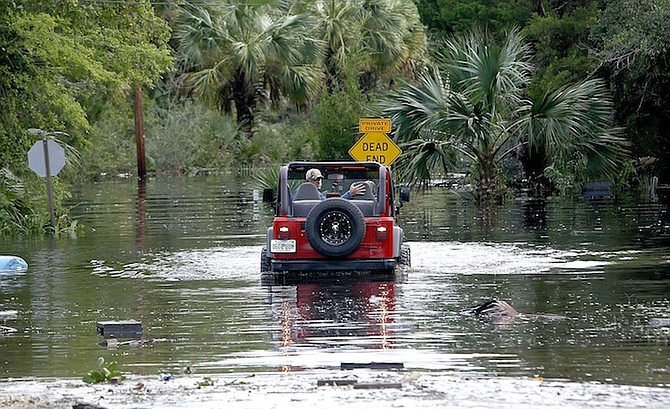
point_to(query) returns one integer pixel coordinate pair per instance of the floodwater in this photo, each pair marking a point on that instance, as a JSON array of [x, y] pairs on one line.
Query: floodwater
[[182, 257]]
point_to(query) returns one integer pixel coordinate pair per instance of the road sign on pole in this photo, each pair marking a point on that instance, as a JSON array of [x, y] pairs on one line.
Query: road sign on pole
[[43, 151], [47, 158], [375, 145], [366, 125]]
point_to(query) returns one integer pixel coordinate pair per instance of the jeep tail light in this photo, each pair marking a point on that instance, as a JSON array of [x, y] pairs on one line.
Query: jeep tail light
[[382, 233], [283, 233]]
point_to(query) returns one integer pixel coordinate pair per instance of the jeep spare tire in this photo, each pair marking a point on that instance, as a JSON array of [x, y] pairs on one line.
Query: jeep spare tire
[[335, 227]]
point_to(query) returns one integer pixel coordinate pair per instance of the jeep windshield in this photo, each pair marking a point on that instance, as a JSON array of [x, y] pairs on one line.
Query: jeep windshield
[[336, 177]]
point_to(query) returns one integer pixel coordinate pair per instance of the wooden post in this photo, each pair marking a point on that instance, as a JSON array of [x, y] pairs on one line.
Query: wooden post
[[141, 212], [139, 135]]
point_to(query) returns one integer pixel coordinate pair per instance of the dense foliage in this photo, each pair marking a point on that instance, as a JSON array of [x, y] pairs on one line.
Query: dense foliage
[[633, 49], [474, 110], [245, 54], [250, 73], [59, 60]]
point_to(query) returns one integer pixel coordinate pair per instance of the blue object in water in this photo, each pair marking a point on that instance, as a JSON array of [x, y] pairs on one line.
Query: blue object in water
[[12, 264]]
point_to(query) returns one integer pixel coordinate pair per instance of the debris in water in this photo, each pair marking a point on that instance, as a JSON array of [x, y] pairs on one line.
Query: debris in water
[[372, 365], [336, 382]]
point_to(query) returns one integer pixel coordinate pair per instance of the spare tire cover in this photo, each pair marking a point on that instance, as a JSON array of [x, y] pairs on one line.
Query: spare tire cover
[[335, 227]]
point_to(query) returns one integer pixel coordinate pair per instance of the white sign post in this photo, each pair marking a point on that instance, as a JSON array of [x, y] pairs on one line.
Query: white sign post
[[47, 158]]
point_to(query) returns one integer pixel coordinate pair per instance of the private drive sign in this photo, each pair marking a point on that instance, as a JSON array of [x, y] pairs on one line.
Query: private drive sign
[[375, 146], [366, 125]]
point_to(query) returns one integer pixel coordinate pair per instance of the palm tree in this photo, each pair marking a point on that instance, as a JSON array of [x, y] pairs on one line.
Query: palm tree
[[383, 37], [339, 28], [473, 110], [567, 133], [239, 52], [393, 37]]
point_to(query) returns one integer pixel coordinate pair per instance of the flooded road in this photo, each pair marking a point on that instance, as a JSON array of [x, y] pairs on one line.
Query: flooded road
[[182, 257]]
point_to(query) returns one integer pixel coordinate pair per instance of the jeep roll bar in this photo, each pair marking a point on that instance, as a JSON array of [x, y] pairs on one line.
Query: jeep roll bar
[[283, 195]]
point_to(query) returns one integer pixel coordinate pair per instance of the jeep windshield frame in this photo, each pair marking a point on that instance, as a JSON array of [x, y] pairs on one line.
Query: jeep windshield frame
[[337, 178]]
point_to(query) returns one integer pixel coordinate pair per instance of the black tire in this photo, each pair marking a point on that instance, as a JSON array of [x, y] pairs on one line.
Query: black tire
[[265, 261], [405, 258], [335, 228]]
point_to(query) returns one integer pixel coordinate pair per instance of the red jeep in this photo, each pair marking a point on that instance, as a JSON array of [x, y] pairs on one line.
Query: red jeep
[[313, 233]]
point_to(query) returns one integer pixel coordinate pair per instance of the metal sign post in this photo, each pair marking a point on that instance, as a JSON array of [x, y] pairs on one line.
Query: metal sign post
[[47, 158], [50, 196]]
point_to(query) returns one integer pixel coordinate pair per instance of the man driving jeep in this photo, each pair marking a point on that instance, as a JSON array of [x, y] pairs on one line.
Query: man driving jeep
[[315, 177]]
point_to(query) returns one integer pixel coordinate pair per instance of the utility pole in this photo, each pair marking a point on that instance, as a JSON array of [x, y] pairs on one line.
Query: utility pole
[[139, 135]]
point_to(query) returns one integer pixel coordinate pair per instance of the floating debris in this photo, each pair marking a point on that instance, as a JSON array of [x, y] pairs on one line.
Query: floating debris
[[336, 382], [500, 312], [372, 365], [12, 264], [115, 343], [84, 405], [8, 315], [378, 385], [353, 383], [659, 322], [6, 330], [120, 329]]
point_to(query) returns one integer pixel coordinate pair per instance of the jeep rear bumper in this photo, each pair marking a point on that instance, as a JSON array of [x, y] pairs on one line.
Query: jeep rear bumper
[[277, 265]]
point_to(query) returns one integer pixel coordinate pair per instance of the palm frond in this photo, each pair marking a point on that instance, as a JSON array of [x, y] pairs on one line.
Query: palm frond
[[301, 83], [422, 158], [481, 114], [199, 35], [415, 108], [206, 84]]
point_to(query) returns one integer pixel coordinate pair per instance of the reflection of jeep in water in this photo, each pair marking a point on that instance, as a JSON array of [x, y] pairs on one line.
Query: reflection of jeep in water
[[310, 233]]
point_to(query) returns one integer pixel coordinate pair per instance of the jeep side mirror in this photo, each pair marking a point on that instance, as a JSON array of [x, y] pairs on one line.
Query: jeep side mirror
[[268, 195], [404, 194]]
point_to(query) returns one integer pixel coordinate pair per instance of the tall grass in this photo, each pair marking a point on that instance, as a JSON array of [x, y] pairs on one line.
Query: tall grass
[[17, 214]]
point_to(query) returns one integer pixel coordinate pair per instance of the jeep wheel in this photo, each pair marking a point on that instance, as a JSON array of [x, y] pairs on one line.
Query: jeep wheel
[[335, 228], [265, 261], [405, 258]]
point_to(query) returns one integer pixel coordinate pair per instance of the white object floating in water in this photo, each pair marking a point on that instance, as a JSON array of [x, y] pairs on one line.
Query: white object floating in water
[[8, 314], [4, 330], [12, 264]]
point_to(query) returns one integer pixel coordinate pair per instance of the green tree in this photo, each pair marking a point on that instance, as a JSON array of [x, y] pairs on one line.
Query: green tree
[[561, 42], [60, 60], [383, 38], [337, 116], [633, 50], [339, 27], [239, 52], [458, 16], [473, 110], [56, 58]]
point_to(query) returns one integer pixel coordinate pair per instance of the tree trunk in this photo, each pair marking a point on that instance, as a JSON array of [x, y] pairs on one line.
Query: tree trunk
[[139, 135], [534, 163], [245, 102], [333, 81]]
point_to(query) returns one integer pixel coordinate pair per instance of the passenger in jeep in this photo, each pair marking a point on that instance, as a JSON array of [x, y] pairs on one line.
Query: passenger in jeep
[[315, 177]]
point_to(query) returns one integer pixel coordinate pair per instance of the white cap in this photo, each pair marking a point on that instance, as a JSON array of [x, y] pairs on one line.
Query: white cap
[[313, 174]]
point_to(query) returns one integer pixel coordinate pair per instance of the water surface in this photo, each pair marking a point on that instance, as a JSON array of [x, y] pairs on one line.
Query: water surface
[[182, 256]]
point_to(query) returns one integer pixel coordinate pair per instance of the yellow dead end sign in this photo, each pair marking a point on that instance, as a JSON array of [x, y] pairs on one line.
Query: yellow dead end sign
[[375, 145]]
